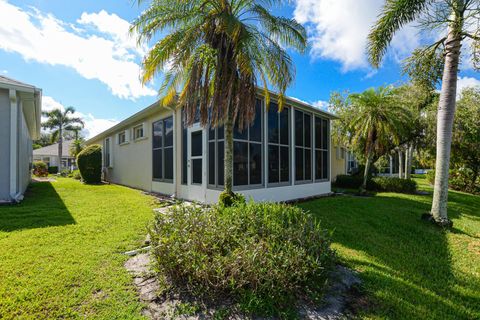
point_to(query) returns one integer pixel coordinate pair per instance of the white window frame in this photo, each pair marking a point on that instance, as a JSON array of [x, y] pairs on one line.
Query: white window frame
[[134, 132], [110, 153], [126, 137]]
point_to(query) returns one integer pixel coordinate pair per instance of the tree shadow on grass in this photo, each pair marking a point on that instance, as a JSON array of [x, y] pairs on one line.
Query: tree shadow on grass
[[405, 262], [42, 207]]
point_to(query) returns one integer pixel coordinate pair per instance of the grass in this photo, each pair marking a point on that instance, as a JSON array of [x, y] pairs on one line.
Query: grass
[[410, 268], [61, 248]]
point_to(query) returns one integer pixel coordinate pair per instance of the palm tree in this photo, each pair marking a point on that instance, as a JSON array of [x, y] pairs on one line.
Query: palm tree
[[376, 123], [58, 122], [213, 53], [459, 18]]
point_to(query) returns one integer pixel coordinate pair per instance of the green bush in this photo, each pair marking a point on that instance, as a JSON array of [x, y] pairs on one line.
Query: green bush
[[89, 162], [261, 255], [387, 184], [53, 169], [75, 174], [350, 181], [40, 169], [393, 184], [65, 172], [228, 199]]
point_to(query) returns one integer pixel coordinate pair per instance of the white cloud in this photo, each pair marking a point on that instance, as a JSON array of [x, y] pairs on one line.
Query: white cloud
[[466, 82], [106, 53], [4, 71], [338, 30], [321, 104], [93, 125]]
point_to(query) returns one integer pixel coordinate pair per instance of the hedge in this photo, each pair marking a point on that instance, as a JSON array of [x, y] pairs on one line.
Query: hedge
[[386, 184], [89, 162], [53, 169]]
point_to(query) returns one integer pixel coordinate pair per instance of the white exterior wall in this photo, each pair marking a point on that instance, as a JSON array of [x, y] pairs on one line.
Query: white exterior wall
[[4, 145], [132, 166], [132, 161], [24, 152]]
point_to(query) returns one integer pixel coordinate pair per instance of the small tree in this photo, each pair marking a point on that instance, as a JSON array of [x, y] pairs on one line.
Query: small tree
[[466, 135], [89, 163]]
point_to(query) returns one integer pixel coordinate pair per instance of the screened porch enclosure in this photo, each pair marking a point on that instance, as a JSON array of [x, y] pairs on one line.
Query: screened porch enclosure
[[287, 150]]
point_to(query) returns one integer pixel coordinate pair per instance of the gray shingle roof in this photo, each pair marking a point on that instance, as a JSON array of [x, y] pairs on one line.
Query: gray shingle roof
[[52, 150]]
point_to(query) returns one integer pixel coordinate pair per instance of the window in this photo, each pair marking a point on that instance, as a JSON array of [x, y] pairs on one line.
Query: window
[[138, 132], [247, 152], [122, 137], [216, 157], [163, 150], [278, 145], [107, 157], [303, 146], [321, 149]]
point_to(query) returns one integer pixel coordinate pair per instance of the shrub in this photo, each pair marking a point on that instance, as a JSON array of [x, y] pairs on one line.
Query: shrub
[[53, 169], [228, 199], [75, 174], [89, 162], [261, 255], [349, 182], [40, 169], [393, 184], [65, 173]]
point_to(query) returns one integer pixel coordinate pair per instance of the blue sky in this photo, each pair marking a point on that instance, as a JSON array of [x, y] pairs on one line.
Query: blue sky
[[78, 52]]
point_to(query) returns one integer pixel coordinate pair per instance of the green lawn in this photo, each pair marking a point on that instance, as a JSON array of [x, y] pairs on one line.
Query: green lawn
[[61, 248], [410, 268]]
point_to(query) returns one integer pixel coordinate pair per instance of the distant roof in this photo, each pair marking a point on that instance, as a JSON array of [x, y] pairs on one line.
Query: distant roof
[[14, 82], [52, 150]]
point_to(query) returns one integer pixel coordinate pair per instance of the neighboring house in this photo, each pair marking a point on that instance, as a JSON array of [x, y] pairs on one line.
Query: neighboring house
[[281, 156], [343, 162], [49, 155], [20, 112]]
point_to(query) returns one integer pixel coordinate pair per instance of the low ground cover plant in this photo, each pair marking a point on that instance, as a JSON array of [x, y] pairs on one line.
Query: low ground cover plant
[[263, 256]]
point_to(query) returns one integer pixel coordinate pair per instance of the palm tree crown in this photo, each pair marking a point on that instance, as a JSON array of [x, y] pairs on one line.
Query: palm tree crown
[[376, 122], [58, 122], [213, 54]]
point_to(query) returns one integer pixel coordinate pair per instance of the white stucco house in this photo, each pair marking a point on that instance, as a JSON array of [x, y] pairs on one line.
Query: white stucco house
[[20, 112], [281, 156], [49, 155]]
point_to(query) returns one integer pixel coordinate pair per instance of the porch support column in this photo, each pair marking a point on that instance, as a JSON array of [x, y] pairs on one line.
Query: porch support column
[[13, 143]]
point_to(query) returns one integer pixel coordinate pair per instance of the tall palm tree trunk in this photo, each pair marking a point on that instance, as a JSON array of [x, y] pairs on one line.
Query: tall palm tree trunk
[[60, 148], [445, 115], [228, 171], [368, 164], [408, 161]]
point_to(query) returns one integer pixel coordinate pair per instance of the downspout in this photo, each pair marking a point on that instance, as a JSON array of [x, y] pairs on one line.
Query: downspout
[[14, 194]]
